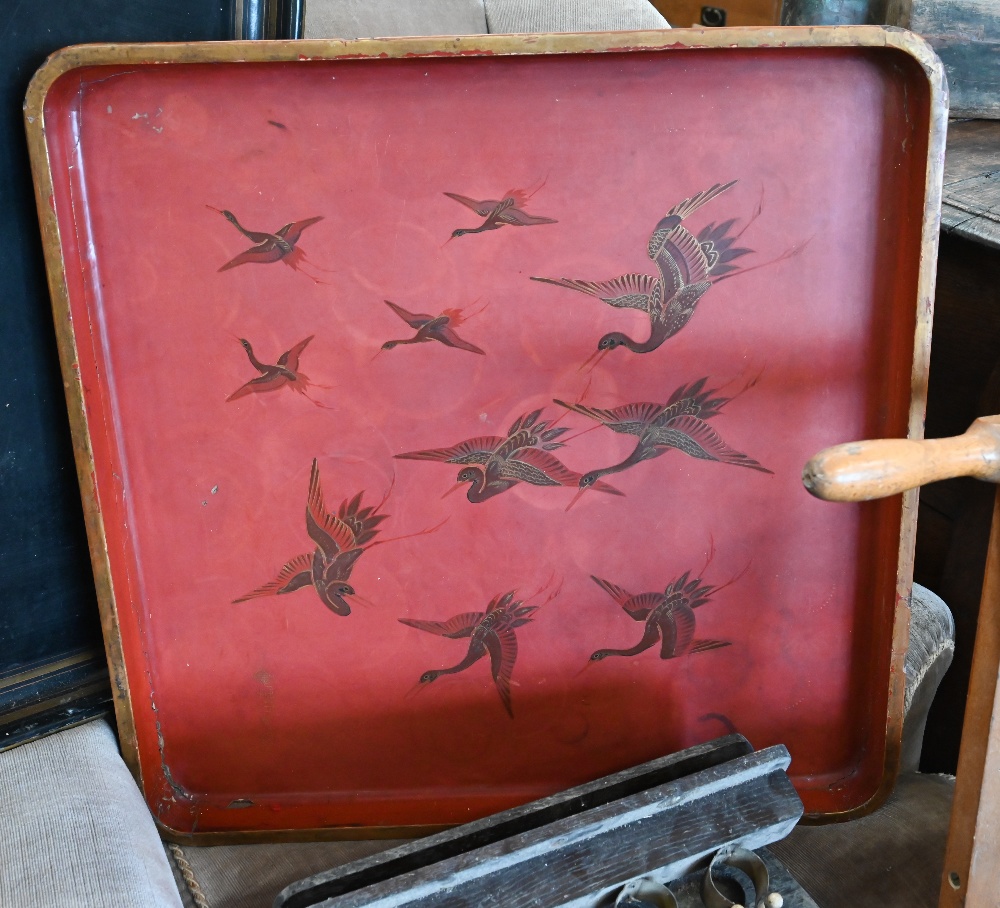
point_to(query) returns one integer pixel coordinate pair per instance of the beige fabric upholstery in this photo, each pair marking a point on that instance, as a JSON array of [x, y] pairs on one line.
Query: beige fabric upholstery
[[250, 876], [74, 829], [390, 18], [892, 858], [520, 16]]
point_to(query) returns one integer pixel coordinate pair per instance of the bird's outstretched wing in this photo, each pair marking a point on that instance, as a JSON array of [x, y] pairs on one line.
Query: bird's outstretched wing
[[330, 533], [697, 438], [449, 338], [502, 644], [290, 233], [413, 319], [261, 254], [676, 631], [629, 419], [482, 208], [540, 468], [269, 381], [640, 606], [515, 217], [363, 522], [618, 593], [296, 574], [627, 291], [681, 210], [473, 450], [290, 358], [676, 312], [459, 626], [681, 261]]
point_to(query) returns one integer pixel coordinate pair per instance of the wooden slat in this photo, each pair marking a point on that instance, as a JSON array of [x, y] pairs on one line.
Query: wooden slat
[[685, 13], [582, 856], [972, 858]]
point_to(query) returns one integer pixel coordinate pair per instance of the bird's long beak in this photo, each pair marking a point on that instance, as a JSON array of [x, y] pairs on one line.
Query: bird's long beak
[[454, 488], [576, 498], [598, 355]]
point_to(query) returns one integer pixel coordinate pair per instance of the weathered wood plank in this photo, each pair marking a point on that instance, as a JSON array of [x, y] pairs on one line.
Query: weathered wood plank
[[662, 832], [970, 202], [966, 35], [972, 860]]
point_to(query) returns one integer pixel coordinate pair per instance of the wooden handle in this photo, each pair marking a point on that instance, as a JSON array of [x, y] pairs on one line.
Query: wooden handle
[[862, 470]]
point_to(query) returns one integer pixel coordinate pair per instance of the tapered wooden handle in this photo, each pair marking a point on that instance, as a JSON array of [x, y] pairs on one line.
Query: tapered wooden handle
[[863, 470]]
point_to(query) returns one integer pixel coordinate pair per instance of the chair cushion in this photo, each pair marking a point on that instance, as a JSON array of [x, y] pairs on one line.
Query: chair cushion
[[388, 18], [892, 858], [74, 829], [520, 16], [250, 876]]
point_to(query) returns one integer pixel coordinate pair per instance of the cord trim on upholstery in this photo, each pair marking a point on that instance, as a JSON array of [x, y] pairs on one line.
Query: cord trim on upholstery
[[187, 873]]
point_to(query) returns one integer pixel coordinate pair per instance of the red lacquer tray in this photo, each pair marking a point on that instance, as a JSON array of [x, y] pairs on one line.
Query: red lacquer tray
[[616, 288]]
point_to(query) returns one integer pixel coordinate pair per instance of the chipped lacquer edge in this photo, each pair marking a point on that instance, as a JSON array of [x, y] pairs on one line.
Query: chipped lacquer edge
[[83, 427]]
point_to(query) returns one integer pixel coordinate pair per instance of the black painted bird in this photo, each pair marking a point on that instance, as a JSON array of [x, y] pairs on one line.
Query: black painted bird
[[341, 539], [668, 617], [493, 464], [490, 632], [505, 212], [687, 266], [440, 328], [680, 424]]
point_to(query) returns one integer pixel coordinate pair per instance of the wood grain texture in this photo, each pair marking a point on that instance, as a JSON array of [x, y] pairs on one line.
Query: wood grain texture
[[685, 13], [972, 860], [865, 470], [970, 201], [584, 855], [966, 35]]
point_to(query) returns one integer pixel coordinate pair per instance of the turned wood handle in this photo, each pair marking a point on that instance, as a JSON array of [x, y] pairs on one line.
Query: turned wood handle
[[862, 470]]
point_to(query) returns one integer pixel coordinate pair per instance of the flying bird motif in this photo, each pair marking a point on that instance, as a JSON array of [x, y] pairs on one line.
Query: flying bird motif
[[668, 616], [284, 373], [271, 247], [490, 632], [494, 464], [341, 539], [687, 266], [439, 328], [679, 424], [508, 211]]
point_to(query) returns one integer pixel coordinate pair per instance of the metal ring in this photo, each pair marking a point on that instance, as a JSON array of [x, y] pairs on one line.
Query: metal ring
[[749, 863], [644, 893]]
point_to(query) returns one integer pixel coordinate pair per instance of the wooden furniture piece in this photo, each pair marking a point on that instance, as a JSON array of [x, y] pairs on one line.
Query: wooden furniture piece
[[863, 471], [652, 824], [730, 13], [955, 515]]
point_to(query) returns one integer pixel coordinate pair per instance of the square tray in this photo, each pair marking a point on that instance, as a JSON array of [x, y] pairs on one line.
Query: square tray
[[228, 536]]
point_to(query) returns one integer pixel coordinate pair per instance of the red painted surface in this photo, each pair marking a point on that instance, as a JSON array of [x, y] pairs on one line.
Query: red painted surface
[[312, 716]]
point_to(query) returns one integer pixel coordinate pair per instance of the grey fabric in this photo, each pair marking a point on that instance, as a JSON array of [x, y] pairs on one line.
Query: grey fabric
[[388, 18], [74, 829], [930, 651], [250, 876], [892, 858], [521, 16]]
